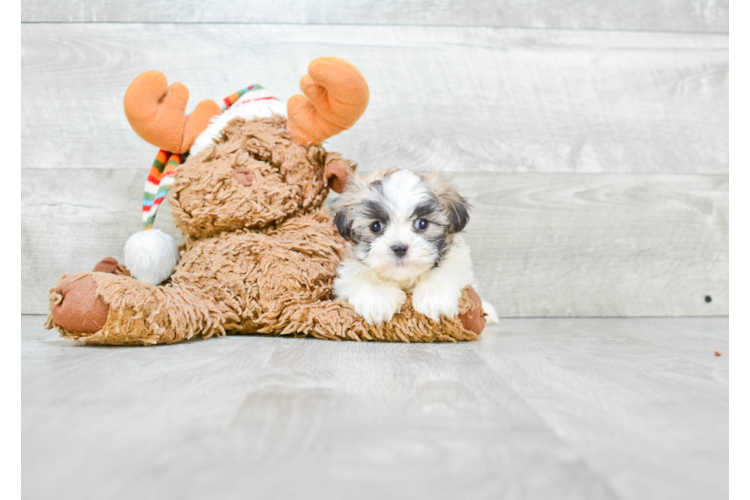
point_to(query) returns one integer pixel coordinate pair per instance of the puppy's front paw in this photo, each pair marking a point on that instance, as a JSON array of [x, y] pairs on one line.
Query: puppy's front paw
[[379, 305], [434, 301]]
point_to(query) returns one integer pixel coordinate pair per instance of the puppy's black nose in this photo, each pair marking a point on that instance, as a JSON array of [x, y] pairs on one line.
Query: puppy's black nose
[[400, 249]]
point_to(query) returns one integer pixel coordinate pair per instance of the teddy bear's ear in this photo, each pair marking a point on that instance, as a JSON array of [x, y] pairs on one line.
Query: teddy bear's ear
[[157, 112], [338, 171], [336, 96], [337, 176]]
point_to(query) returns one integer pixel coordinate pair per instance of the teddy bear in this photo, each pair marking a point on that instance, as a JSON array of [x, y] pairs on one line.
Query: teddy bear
[[260, 250]]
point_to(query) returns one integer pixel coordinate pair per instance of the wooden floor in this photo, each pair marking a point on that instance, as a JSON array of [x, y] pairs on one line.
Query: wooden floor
[[539, 408]]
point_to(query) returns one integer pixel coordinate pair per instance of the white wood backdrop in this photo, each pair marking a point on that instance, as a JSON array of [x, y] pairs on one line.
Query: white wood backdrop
[[596, 158], [639, 15]]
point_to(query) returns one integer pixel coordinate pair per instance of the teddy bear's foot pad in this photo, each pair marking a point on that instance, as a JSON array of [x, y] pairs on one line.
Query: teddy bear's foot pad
[[75, 305]]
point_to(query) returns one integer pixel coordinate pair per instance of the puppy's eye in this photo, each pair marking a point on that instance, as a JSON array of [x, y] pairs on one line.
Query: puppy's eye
[[376, 226], [421, 224]]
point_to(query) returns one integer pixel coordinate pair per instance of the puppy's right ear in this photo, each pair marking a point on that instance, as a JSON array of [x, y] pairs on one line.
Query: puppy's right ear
[[344, 207], [343, 223]]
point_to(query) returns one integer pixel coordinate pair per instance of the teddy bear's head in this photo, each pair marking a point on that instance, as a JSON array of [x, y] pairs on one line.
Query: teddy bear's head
[[254, 177], [257, 172]]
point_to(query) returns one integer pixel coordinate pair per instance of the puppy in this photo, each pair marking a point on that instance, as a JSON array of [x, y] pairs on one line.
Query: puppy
[[403, 231]]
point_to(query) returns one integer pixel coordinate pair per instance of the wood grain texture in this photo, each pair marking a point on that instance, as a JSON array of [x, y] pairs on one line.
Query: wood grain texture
[[641, 15], [442, 98], [600, 245], [536, 409], [643, 417], [543, 244], [739, 245], [738, 113]]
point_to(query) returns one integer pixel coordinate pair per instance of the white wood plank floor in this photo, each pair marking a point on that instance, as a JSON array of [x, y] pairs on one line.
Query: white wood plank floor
[[539, 408]]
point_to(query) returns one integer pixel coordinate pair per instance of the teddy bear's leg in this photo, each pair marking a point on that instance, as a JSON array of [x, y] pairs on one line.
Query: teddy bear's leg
[[471, 316], [327, 319], [75, 305], [337, 320], [107, 308], [83, 309]]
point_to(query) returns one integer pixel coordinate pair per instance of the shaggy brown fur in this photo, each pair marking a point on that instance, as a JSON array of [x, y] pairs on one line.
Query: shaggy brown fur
[[257, 259]]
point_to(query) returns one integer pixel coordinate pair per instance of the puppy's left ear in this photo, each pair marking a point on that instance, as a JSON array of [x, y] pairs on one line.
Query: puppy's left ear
[[458, 212], [338, 171], [455, 205]]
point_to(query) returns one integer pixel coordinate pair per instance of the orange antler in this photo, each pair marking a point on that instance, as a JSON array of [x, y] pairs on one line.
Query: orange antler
[[337, 95], [157, 112]]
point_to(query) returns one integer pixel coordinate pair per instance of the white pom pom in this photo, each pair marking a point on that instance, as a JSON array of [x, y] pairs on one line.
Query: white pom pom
[[151, 255]]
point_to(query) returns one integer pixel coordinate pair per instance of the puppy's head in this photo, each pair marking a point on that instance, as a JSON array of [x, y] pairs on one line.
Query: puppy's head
[[400, 223]]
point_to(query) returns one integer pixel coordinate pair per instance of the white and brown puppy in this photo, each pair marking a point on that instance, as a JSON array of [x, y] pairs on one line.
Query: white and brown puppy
[[403, 230]]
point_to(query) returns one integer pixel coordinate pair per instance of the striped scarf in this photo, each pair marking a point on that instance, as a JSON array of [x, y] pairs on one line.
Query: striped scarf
[[160, 179]]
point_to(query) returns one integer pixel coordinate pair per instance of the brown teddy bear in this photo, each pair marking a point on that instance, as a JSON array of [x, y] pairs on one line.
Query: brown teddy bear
[[260, 251]]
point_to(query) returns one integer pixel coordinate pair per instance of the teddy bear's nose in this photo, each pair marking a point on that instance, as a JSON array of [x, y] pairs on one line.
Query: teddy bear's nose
[[244, 176]]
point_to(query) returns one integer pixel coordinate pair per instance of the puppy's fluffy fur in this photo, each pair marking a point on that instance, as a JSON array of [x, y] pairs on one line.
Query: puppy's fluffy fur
[[403, 230]]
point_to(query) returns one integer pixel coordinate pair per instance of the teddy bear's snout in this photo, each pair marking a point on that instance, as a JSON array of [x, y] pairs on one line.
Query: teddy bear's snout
[[244, 176]]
